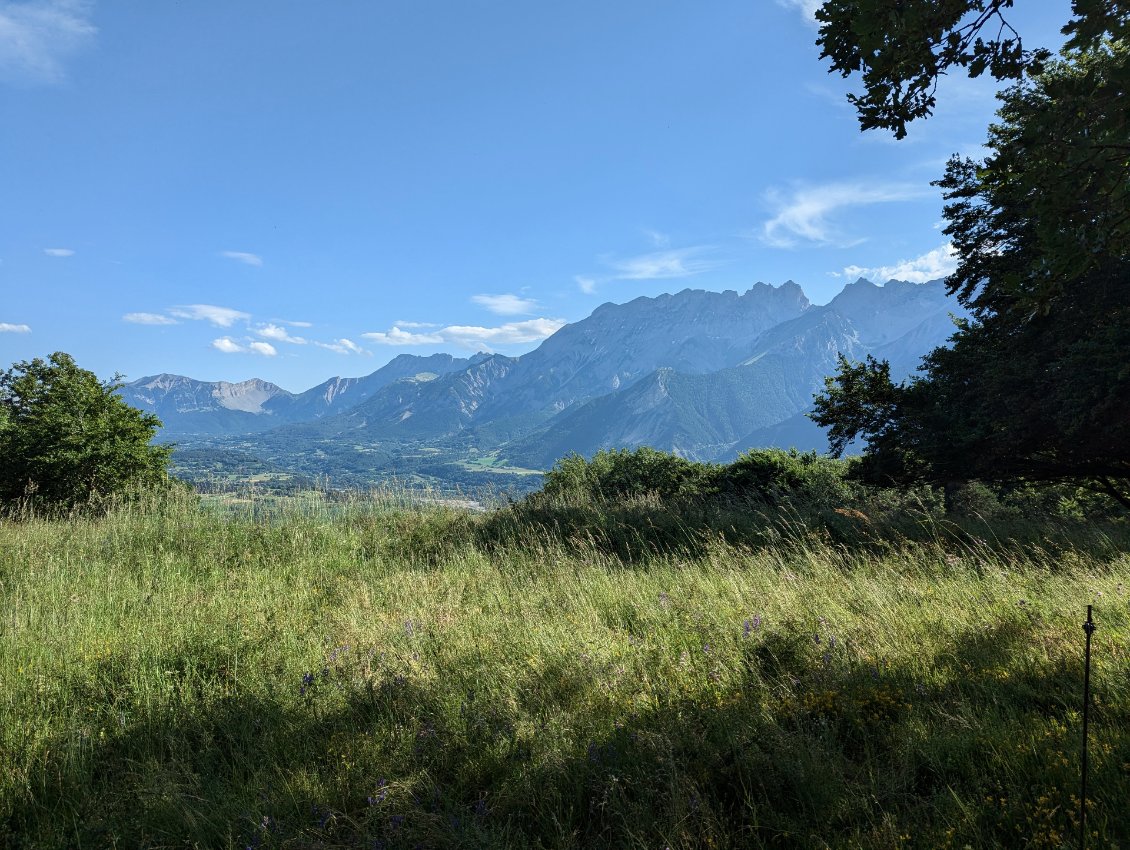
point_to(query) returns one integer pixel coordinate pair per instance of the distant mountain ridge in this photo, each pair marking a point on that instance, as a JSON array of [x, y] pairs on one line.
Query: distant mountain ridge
[[699, 373], [189, 407]]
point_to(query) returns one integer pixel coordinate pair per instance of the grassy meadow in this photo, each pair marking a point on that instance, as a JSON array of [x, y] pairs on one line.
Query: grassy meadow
[[381, 675]]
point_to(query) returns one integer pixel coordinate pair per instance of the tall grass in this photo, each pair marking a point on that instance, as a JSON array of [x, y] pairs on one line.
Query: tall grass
[[379, 674]]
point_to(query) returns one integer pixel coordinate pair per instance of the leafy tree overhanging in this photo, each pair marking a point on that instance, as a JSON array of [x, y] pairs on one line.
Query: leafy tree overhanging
[[1036, 384]]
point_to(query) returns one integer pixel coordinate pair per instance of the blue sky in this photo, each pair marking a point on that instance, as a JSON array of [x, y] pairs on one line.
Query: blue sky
[[291, 190]]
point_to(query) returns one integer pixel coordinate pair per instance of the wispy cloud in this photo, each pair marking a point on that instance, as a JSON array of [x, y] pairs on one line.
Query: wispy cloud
[[59, 252], [939, 263], [38, 36], [243, 257], [343, 346], [229, 346], [221, 317], [416, 325], [807, 214], [277, 333], [8, 328], [587, 285], [296, 324], [658, 265], [472, 336], [806, 7], [149, 319], [506, 305], [659, 240], [398, 336]]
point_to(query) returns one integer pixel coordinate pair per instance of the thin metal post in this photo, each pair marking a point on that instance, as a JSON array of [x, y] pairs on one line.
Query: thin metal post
[[1088, 629]]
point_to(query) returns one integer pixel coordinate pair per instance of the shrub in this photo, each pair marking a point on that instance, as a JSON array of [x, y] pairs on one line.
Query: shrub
[[774, 476], [69, 441], [638, 472]]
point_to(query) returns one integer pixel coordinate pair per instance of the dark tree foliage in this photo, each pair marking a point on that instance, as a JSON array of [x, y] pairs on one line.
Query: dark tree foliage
[[1036, 386], [67, 440], [1050, 205], [1047, 399], [902, 48]]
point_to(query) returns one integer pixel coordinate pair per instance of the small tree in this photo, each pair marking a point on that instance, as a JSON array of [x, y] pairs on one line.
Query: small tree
[[68, 440]]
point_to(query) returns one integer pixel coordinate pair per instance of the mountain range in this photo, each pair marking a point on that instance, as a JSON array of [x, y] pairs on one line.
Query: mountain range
[[703, 374]]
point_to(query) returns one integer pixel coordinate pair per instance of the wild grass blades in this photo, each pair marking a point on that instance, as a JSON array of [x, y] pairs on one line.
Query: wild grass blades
[[375, 673]]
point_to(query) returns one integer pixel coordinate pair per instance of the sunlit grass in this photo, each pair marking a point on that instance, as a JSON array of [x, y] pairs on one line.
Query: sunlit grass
[[382, 674]]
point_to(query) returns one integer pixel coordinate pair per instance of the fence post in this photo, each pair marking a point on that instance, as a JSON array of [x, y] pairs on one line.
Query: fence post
[[1088, 629]]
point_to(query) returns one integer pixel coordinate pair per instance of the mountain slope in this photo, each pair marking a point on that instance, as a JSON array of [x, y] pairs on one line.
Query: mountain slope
[[694, 331], [718, 415], [188, 407], [703, 374]]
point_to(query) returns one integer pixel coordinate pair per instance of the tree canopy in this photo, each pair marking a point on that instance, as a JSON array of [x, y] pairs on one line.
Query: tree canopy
[[68, 440], [902, 49], [1036, 384]]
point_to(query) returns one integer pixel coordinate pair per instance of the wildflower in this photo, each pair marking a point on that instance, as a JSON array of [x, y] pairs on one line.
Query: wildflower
[[664, 600], [379, 795], [307, 681], [752, 624], [409, 628]]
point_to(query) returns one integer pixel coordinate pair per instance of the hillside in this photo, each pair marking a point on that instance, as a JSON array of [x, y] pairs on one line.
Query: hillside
[[369, 674]]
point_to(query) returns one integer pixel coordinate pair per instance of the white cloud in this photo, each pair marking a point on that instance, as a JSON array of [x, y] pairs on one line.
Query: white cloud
[[939, 263], [416, 325], [506, 305], [7, 328], [586, 284], [806, 215], [149, 319], [278, 334], [343, 346], [806, 7], [221, 317], [472, 336], [658, 265], [659, 240], [59, 252], [297, 324], [37, 36], [227, 345], [243, 257], [512, 333], [397, 336]]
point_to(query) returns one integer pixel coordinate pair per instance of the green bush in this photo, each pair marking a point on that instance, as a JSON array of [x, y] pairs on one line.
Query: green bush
[[775, 476], [68, 441], [638, 472]]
